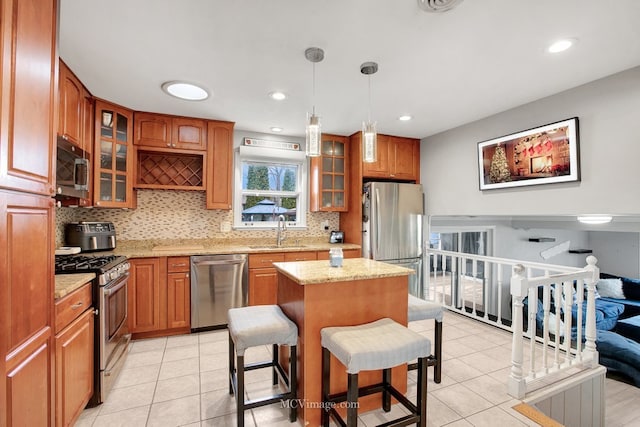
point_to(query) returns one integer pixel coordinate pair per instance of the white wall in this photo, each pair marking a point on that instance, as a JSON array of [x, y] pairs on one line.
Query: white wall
[[617, 253], [609, 125]]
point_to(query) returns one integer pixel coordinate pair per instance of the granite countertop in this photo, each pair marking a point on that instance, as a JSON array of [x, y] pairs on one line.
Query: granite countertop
[[310, 272], [67, 283], [147, 249]]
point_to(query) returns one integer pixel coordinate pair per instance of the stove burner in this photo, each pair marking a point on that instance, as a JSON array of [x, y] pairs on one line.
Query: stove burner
[[84, 263]]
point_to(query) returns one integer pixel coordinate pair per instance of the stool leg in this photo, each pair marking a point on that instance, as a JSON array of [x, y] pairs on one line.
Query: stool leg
[[231, 364], [326, 375], [421, 398], [275, 362], [352, 400], [437, 369], [240, 391], [293, 382], [386, 396]]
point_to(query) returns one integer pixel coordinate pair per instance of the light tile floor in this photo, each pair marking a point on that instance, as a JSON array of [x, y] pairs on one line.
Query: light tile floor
[[182, 381]]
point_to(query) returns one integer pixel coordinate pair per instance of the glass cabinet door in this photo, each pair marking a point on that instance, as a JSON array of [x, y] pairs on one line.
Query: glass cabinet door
[[113, 168], [329, 175]]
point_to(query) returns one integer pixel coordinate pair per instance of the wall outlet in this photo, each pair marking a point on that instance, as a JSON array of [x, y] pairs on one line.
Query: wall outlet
[[325, 225], [225, 227]]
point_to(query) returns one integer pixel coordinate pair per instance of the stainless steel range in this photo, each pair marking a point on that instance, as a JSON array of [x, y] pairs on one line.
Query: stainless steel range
[[110, 300]]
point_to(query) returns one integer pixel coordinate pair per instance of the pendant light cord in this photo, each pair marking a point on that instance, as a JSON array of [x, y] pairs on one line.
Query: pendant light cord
[[313, 91], [369, 113]]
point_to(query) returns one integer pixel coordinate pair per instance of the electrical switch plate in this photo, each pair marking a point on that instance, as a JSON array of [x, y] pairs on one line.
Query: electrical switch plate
[[225, 227]]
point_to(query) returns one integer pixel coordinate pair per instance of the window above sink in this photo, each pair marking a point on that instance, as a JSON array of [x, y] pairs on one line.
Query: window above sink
[[269, 182]]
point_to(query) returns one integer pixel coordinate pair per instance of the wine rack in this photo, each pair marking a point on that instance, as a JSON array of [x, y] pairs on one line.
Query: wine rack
[[175, 171]]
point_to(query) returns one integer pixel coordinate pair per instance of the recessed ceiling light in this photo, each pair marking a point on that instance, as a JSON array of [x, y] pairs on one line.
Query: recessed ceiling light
[[185, 90], [595, 219], [405, 118], [561, 45], [278, 96], [276, 129]]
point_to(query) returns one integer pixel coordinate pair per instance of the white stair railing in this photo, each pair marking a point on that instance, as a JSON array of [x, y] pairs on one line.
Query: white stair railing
[[492, 290], [567, 352]]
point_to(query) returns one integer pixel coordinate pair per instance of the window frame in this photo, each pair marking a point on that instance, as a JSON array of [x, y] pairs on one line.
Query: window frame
[[270, 156]]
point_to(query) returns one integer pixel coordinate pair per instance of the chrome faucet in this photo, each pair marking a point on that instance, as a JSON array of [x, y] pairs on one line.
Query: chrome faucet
[[282, 227]]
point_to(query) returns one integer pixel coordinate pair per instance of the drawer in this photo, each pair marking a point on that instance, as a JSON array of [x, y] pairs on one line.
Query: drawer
[[178, 264], [300, 256], [265, 260], [71, 306]]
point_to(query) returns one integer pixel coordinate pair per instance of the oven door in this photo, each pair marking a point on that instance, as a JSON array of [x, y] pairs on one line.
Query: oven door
[[114, 337]]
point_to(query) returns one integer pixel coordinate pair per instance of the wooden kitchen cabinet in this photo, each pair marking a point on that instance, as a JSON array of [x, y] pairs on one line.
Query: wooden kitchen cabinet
[[146, 294], [263, 277], [159, 296], [74, 344], [398, 159], [219, 165], [163, 131], [28, 120], [329, 177], [27, 234], [70, 106], [178, 293], [75, 123], [114, 164]]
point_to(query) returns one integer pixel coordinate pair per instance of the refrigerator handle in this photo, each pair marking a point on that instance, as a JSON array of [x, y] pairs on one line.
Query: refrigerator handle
[[377, 242]]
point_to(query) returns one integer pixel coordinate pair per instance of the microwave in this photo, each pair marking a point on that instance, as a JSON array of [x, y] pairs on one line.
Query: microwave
[[72, 170]]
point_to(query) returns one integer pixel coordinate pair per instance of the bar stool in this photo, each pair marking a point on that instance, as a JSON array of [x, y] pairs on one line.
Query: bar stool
[[261, 325], [420, 309], [378, 345]]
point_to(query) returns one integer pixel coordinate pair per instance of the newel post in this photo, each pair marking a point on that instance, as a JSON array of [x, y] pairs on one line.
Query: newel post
[[517, 385], [590, 329]]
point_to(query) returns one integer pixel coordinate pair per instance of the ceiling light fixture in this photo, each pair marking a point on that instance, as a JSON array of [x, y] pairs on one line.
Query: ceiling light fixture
[[438, 6], [276, 129], [185, 90], [405, 118], [313, 133], [369, 135], [561, 45], [595, 219], [278, 96]]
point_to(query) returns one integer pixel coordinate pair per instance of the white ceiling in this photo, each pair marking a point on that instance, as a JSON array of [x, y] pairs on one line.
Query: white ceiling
[[444, 69]]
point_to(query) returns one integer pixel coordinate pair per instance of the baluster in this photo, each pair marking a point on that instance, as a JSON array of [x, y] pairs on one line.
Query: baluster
[[444, 269], [579, 302], [455, 278], [568, 301], [533, 327], [590, 330], [556, 338], [500, 283], [462, 289], [546, 307], [517, 385], [485, 290], [474, 272]]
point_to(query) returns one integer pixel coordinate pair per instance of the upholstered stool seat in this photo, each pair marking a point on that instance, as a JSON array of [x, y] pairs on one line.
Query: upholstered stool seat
[[379, 345], [420, 309], [254, 326]]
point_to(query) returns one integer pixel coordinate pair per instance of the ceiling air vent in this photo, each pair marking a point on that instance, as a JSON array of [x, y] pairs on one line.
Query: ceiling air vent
[[438, 5]]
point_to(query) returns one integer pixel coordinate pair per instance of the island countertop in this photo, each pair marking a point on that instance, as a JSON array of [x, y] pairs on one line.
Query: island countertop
[[310, 272]]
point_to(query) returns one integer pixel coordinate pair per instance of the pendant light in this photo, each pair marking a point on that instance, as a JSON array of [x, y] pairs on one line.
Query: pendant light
[[313, 132], [369, 135]]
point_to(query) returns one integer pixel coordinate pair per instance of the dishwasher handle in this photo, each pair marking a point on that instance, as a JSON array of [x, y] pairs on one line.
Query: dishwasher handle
[[220, 262]]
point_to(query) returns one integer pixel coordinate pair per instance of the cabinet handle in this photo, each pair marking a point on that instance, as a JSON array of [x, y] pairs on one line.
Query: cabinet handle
[[76, 305], [178, 265], [186, 275], [168, 144]]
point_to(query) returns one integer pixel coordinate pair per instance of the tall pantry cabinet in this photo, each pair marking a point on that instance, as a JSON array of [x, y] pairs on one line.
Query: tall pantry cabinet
[[27, 164]]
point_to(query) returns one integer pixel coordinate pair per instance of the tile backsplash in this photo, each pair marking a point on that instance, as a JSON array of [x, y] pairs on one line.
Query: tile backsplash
[[169, 214]]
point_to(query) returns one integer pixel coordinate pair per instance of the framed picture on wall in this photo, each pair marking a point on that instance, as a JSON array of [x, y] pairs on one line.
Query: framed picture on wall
[[544, 155]]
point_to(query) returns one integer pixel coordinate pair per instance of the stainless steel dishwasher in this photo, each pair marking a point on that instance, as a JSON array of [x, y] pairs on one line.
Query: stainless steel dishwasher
[[218, 283]]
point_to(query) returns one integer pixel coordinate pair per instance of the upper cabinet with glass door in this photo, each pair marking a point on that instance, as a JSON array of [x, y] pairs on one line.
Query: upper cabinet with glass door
[[328, 181], [114, 163]]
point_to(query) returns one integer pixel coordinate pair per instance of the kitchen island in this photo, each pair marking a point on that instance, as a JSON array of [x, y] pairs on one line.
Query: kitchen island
[[315, 295]]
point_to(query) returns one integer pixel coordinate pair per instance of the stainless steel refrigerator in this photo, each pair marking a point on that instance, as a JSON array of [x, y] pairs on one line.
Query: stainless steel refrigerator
[[392, 215]]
